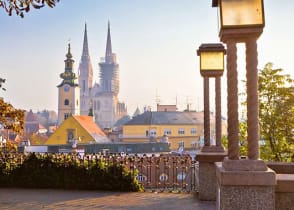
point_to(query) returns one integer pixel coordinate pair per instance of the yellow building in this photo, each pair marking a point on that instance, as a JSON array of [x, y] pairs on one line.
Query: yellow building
[[77, 129], [180, 129]]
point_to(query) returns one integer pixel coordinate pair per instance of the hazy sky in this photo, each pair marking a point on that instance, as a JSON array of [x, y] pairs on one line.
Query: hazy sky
[[155, 42]]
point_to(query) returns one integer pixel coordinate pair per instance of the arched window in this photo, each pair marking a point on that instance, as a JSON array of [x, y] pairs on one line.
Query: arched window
[[95, 105], [66, 102], [163, 177], [98, 105], [141, 178]]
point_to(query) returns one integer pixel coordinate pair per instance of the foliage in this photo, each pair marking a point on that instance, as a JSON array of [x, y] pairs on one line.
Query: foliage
[[10, 117], [2, 81], [10, 146], [276, 114], [243, 138], [21, 6], [65, 171]]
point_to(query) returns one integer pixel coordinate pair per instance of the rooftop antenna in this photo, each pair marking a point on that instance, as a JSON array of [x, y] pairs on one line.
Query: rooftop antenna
[[177, 102], [157, 99], [188, 103]]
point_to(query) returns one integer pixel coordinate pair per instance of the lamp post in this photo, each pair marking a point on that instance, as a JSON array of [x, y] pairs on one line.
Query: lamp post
[[241, 21], [212, 65]]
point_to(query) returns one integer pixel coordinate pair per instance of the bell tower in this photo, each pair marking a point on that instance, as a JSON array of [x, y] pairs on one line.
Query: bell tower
[[68, 91]]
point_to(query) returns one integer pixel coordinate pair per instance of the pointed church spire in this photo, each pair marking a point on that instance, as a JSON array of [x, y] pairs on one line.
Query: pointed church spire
[[85, 45], [108, 53], [68, 55], [68, 76]]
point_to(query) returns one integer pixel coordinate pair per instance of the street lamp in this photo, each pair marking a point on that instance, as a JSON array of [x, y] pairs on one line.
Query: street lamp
[[211, 59], [240, 19], [212, 65]]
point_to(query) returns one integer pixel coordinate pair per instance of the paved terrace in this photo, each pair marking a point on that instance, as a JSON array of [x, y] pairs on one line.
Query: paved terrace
[[62, 199]]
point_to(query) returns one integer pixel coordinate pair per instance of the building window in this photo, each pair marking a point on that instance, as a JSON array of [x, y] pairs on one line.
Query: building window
[[194, 144], [193, 131], [98, 105], [66, 115], [181, 176], [181, 131], [141, 178], [181, 144], [84, 86], [153, 132], [70, 134], [66, 102], [163, 177], [167, 131]]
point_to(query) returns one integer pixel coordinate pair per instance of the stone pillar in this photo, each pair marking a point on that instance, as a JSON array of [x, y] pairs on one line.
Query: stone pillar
[[245, 185], [218, 115], [206, 112], [252, 99], [207, 174], [232, 86]]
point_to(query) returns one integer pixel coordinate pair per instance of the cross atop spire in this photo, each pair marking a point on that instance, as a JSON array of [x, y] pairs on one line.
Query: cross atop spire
[[85, 45], [68, 55], [108, 53]]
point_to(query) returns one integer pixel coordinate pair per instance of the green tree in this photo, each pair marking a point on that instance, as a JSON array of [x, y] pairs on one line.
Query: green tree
[[242, 138], [10, 117], [21, 6], [2, 81], [276, 114]]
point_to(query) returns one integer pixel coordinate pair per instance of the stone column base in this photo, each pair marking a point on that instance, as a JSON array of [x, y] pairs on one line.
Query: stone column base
[[207, 177], [213, 149], [244, 188]]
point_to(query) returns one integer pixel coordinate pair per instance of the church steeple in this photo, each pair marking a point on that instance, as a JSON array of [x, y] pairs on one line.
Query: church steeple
[[69, 55], [85, 75], [108, 52], [85, 44], [85, 67], [109, 69], [69, 77], [68, 90]]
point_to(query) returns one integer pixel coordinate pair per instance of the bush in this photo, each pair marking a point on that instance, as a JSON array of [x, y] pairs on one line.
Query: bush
[[66, 171]]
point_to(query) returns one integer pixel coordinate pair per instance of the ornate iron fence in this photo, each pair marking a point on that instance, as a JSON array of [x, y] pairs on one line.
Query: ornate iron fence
[[166, 172]]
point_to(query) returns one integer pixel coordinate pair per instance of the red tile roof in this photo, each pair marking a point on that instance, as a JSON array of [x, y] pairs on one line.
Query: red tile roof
[[92, 128]]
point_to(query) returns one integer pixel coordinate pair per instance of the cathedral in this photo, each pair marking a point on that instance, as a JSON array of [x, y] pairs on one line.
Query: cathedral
[[83, 97]]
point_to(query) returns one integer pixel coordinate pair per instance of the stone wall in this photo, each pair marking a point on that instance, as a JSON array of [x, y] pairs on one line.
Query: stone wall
[[284, 190]]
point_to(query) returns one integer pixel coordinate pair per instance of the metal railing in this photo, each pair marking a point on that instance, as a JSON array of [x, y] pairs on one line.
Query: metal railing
[[164, 172]]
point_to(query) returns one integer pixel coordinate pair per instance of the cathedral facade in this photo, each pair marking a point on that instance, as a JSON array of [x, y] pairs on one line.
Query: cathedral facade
[[100, 100]]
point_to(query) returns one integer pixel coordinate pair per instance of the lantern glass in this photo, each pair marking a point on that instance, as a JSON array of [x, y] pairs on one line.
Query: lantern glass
[[241, 13], [211, 61]]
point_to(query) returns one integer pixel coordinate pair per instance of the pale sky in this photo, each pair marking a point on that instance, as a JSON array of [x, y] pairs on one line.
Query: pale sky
[[155, 42]]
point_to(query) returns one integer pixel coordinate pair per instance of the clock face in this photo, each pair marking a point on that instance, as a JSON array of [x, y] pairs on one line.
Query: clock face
[[66, 88]]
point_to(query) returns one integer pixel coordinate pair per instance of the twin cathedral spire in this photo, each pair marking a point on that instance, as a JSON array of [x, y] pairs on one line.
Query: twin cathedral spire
[[84, 97]]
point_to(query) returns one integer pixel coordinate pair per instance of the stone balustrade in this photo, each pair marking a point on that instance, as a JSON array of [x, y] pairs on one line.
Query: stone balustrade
[[284, 190]]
